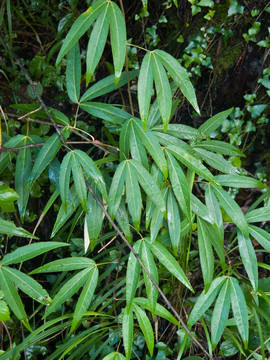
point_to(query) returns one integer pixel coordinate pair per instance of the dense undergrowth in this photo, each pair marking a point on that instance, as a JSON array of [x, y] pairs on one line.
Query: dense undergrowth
[[134, 209]]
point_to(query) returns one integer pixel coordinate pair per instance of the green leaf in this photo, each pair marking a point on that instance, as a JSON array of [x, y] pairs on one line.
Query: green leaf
[[235, 8], [85, 297], [114, 356], [27, 252], [79, 182], [94, 218], [149, 262], [220, 313], [249, 259], [239, 181], [216, 161], [7, 198], [151, 143], [118, 38], [8, 228], [170, 263], [200, 209], [180, 131], [106, 111], [127, 331], [239, 308], [7, 156], [69, 289], [205, 300], [123, 220], [107, 85], [179, 184], [73, 73], [67, 264], [132, 275], [160, 310], [220, 147], [80, 26], [206, 253], [215, 211], [97, 43], [145, 85], [174, 221], [133, 194], [116, 189], [64, 179], [213, 234], [156, 223], [92, 171], [262, 236], [258, 215], [22, 173], [4, 311], [137, 149], [180, 76], [11, 295], [28, 285], [124, 140], [163, 90], [185, 156], [232, 209], [147, 182], [214, 122], [145, 326]]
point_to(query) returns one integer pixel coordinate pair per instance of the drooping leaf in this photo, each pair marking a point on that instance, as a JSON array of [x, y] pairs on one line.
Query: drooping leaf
[[79, 181], [205, 300], [97, 42], [163, 90], [249, 259], [220, 147], [239, 181], [133, 194], [174, 221], [85, 297], [214, 122], [145, 326], [67, 264], [27, 252], [73, 73], [200, 209], [170, 263], [64, 179], [118, 38], [239, 308], [179, 75], [80, 26], [10, 229], [132, 275], [262, 236], [145, 85], [206, 253], [232, 209], [258, 215], [127, 329], [220, 313]]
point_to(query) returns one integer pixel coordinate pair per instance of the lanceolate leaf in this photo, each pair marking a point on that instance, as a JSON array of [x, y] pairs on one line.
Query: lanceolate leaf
[[174, 221], [28, 285], [249, 259], [170, 263], [64, 179], [123, 220], [216, 240], [258, 215], [8, 228], [262, 236], [179, 75], [206, 253], [145, 85], [7, 156], [73, 73], [220, 313], [239, 181], [80, 26], [11, 295], [85, 297], [118, 38], [116, 189], [149, 262], [205, 300], [200, 209], [214, 122], [133, 273], [156, 223], [148, 184], [239, 308], [137, 149], [163, 89], [145, 326], [127, 331], [232, 209], [124, 140], [97, 42], [220, 147], [214, 209], [67, 264], [133, 194], [179, 130], [79, 182]]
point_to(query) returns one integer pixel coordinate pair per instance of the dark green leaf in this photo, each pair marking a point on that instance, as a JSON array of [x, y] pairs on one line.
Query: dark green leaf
[[67, 264], [8, 228], [262, 236], [106, 111], [239, 181], [214, 122], [174, 221], [116, 189], [258, 215], [220, 147], [127, 329], [137, 149], [73, 73], [79, 182], [64, 179], [145, 326], [145, 85]]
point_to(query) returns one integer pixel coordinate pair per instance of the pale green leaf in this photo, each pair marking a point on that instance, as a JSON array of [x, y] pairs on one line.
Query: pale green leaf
[[79, 181], [239, 308], [127, 331], [64, 179], [67, 264], [170, 263], [205, 300], [214, 122], [8, 228], [106, 111], [118, 38], [239, 181], [258, 215], [174, 221], [145, 326], [114, 356], [262, 236], [85, 298], [133, 194], [73, 73], [97, 43], [116, 189], [80, 26], [133, 274], [249, 259], [4, 311], [145, 85]]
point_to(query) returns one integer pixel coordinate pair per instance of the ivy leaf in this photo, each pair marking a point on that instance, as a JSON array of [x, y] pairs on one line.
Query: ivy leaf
[[73, 73], [235, 8]]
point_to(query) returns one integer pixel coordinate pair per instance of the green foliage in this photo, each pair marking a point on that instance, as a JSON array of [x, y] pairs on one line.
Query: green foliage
[[139, 213]]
